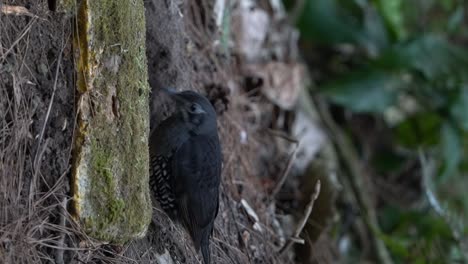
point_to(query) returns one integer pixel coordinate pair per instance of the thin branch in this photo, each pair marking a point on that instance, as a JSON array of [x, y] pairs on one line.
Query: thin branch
[[291, 159], [284, 176], [23, 34], [428, 171], [282, 134], [41, 148], [295, 238], [61, 241]]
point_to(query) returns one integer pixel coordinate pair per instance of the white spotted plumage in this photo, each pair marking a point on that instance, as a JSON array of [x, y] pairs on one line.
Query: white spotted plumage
[[160, 182]]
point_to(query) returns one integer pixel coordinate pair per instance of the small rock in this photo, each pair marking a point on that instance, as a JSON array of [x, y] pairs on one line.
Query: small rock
[[165, 258], [42, 69]]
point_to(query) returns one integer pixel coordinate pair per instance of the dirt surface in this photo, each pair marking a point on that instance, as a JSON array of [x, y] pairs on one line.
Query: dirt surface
[[37, 119], [184, 57], [37, 122]]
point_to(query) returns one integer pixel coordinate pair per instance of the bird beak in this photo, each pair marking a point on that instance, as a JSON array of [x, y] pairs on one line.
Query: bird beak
[[173, 94], [169, 91]]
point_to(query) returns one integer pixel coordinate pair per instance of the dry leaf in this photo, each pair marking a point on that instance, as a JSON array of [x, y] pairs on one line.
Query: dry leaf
[[250, 26], [282, 82], [15, 10]]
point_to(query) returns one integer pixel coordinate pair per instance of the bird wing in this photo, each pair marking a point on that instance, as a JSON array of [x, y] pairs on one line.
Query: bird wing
[[167, 136], [196, 169]]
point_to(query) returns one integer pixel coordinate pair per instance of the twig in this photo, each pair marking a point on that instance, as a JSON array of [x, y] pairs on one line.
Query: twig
[[23, 34], [295, 238], [61, 241], [219, 9], [291, 158], [41, 148], [283, 135], [428, 172], [234, 217], [233, 248], [49, 108], [284, 176], [252, 214]]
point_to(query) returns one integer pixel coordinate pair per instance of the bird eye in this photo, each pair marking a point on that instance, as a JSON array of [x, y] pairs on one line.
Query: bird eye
[[195, 108]]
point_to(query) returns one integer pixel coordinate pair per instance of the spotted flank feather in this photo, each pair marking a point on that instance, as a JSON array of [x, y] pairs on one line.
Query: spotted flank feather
[[160, 183]]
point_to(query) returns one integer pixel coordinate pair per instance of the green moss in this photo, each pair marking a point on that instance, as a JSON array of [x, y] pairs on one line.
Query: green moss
[[117, 200], [116, 207]]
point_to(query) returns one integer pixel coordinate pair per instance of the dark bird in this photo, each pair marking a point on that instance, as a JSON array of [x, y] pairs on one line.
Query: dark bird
[[185, 169]]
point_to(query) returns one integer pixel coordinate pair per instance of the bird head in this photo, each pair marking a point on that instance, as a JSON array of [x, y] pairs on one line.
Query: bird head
[[195, 110]]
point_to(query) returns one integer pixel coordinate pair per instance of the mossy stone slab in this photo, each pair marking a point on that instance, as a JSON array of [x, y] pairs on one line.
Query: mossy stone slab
[[110, 170]]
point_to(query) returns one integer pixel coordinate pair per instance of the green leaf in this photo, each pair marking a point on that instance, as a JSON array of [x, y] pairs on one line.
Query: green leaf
[[432, 227], [390, 218], [323, 20], [414, 229], [391, 11], [397, 246], [424, 225], [455, 21], [422, 129], [430, 55], [387, 160], [459, 109], [337, 22], [367, 91], [375, 32], [451, 150]]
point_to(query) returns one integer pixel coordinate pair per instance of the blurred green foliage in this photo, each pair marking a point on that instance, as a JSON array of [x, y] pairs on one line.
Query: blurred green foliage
[[408, 58], [416, 232]]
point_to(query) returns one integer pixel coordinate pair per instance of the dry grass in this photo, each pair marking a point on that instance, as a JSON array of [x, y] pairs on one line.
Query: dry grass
[[27, 232], [34, 222]]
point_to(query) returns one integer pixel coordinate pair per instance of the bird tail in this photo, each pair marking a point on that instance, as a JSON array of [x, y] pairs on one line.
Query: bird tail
[[201, 241], [205, 250]]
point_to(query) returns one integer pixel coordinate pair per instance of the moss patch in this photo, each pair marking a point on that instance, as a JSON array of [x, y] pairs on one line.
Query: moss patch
[[111, 170]]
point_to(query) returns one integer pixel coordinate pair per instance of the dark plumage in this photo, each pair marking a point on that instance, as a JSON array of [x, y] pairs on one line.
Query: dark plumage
[[185, 169]]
